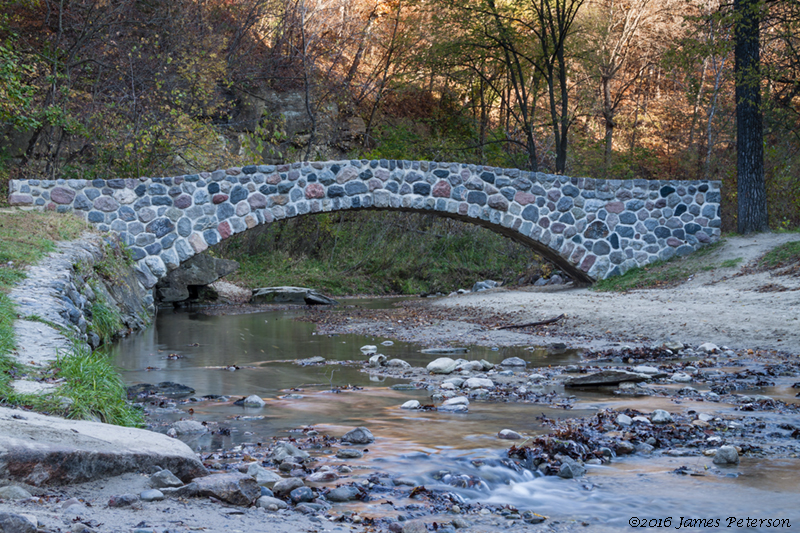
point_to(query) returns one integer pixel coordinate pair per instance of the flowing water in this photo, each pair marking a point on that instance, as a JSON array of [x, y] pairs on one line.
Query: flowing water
[[238, 355]]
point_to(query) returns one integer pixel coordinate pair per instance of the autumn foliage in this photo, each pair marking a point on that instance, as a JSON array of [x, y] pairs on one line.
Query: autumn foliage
[[601, 88]]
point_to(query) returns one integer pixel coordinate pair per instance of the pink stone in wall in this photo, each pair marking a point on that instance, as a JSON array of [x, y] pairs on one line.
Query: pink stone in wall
[[524, 198], [183, 201], [224, 230], [314, 190], [577, 255], [273, 179], [20, 199], [441, 189], [62, 196], [615, 207], [588, 262], [257, 201], [672, 241], [219, 198]]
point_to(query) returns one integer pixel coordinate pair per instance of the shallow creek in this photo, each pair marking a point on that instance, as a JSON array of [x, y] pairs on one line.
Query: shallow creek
[[239, 355]]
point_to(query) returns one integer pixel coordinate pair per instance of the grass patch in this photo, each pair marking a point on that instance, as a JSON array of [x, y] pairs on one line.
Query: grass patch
[[661, 274], [7, 363], [26, 236], [731, 263], [106, 320], [781, 256], [95, 388]]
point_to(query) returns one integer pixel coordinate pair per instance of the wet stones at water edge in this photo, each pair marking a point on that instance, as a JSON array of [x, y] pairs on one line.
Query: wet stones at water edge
[[591, 229]]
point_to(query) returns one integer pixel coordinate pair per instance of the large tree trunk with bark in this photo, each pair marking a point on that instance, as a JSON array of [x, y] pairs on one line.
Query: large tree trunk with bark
[[751, 190]]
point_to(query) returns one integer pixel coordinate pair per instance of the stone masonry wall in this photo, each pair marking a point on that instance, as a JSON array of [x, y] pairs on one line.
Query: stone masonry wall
[[592, 229]]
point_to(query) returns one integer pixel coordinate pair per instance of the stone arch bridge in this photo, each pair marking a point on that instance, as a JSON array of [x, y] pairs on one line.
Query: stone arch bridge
[[592, 229]]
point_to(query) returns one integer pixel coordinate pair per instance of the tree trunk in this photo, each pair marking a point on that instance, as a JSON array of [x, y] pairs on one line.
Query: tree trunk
[[751, 189], [608, 119]]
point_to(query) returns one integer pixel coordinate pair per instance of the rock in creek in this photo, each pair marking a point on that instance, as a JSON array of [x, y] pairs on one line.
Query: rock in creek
[[188, 427], [301, 494], [606, 377], [410, 404], [254, 400], [322, 477], [376, 361], [271, 504], [264, 477], [661, 416], [478, 383], [165, 388], [398, 363], [47, 450], [296, 295], [349, 454], [513, 361], [726, 455], [360, 435], [234, 488], [343, 494], [445, 351], [508, 434], [442, 365], [285, 486], [283, 450]]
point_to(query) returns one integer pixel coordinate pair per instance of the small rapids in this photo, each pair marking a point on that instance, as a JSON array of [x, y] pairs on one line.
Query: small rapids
[[455, 455]]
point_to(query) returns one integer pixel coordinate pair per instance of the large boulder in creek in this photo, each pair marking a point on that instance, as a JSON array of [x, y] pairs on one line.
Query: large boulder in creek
[[47, 450], [185, 281], [291, 295]]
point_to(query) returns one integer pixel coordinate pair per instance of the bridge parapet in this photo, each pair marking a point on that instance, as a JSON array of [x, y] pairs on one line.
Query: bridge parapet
[[593, 229]]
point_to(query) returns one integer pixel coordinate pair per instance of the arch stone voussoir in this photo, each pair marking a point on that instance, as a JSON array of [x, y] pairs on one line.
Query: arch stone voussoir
[[592, 229]]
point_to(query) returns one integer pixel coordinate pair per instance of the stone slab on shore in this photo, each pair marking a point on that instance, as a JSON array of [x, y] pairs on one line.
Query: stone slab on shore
[[46, 450]]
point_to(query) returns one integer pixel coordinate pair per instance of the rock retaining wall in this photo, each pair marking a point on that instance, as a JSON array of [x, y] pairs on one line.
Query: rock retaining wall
[[592, 229], [60, 291]]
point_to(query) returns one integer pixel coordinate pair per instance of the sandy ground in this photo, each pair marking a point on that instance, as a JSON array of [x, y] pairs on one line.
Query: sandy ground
[[728, 313]]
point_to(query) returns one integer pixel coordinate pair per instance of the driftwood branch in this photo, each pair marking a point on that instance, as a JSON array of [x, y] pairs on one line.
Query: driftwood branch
[[529, 324]]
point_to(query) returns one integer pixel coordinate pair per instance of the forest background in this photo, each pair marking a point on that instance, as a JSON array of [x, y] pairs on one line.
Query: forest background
[[598, 88]]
